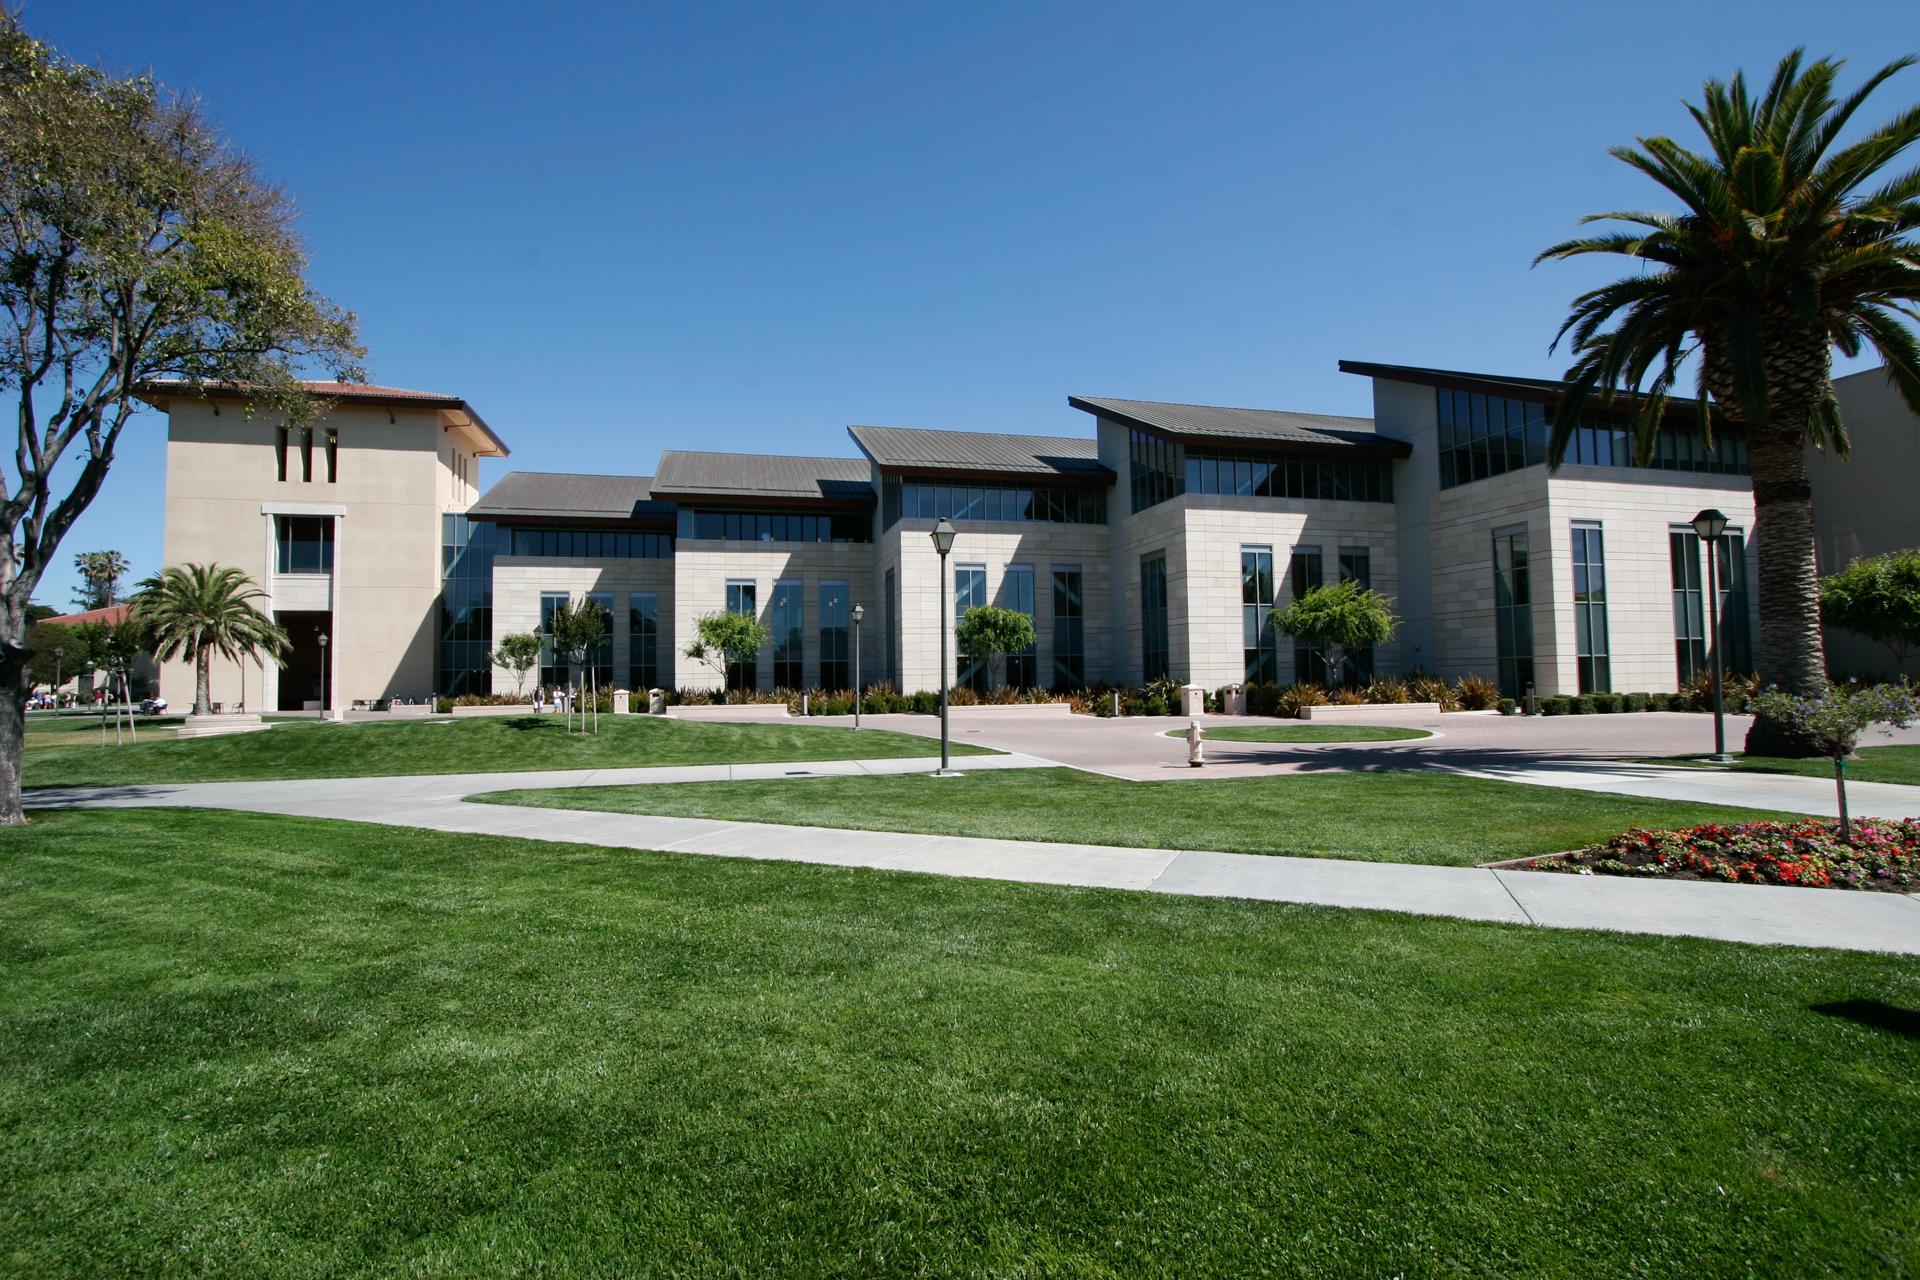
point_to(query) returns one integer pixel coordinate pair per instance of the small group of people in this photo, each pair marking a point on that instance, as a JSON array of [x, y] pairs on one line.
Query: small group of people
[[555, 699]]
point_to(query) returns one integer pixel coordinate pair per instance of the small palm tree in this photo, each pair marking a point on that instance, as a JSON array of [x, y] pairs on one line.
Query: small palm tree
[[204, 609], [1787, 247]]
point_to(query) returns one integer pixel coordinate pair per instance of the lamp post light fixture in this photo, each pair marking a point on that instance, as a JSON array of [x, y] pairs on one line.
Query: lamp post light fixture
[[942, 535], [323, 675], [859, 612], [1709, 525], [59, 652]]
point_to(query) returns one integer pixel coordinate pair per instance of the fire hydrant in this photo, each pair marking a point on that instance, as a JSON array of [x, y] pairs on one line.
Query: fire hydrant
[[1196, 750]]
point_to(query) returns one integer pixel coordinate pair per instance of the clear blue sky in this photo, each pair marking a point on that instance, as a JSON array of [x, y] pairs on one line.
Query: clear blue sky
[[622, 228]]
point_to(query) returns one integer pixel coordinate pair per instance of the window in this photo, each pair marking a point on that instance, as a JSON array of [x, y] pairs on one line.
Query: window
[[969, 589], [893, 630], [926, 500], [467, 551], [1259, 642], [775, 526], [304, 544], [306, 454], [1269, 476], [1155, 657], [1152, 462], [280, 451], [1512, 612], [1590, 608], [643, 640], [789, 611], [1689, 603], [601, 659], [1356, 565], [834, 672], [1306, 572], [553, 670], [1069, 629], [595, 544], [743, 597], [1482, 436], [333, 456], [1736, 628], [1016, 593]]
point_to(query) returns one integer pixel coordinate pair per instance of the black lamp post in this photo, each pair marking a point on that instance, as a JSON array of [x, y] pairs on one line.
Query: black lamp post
[[323, 675], [1710, 524], [59, 652], [859, 612], [942, 535]]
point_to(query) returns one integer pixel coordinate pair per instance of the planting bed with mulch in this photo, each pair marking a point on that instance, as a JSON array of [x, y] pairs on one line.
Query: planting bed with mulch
[[1883, 855]]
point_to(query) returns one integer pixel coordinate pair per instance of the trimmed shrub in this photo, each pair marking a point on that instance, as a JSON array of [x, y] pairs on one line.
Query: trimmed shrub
[[1583, 705], [1633, 702], [1558, 705], [1475, 693], [1605, 704], [1508, 707]]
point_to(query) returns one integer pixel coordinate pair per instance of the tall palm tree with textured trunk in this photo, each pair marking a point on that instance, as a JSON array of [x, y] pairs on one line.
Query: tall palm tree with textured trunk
[[1788, 246], [201, 610]]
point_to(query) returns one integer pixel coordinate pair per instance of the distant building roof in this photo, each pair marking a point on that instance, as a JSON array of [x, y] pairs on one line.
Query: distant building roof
[[158, 392], [560, 495], [735, 477], [1545, 390], [982, 453], [112, 615], [1311, 431]]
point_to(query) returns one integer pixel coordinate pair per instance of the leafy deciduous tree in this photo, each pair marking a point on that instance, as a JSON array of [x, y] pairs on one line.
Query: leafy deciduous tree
[[1877, 597], [1339, 620], [724, 638], [991, 632], [518, 653]]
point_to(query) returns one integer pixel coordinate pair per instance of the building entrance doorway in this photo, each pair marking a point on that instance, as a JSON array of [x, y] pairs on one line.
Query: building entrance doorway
[[300, 678]]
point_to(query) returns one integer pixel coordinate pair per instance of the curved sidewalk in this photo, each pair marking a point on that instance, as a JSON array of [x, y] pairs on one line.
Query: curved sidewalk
[[1736, 913]]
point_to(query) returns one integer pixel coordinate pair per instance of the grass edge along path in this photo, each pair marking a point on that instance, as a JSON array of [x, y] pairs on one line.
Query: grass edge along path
[[478, 744], [248, 1045], [1894, 763], [1421, 816], [1307, 733]]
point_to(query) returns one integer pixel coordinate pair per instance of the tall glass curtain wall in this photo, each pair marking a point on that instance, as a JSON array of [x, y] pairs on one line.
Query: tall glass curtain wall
[[1692, 657], [1512, 612], [1259, 642], [1482, 436], [1016, 593], [835, 670], [1356, 565], [789, 626], [969, 590], [743, 598], [1305, 572], [467, 550], [643, 640], [924, 500], [553, 669], [1162, 470], [1069, 629], [1590, 608], [1155, 655]]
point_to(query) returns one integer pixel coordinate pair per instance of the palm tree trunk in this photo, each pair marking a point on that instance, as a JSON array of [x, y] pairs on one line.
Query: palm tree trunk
[[1791, 654], [203, 681]]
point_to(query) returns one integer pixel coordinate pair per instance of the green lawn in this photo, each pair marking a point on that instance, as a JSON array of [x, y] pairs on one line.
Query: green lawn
[[1394, 816], [312, 749], [1306, 733], [58, 730], [252, 1046], [1900, 763]]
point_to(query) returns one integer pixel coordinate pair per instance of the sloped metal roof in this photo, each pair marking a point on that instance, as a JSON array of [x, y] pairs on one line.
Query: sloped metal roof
[[1542, 390], [567, 496], [689, 474], [1216, 422], [981, 453]]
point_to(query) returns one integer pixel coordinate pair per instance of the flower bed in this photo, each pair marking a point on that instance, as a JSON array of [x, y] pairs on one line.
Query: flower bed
[[1884, 855]]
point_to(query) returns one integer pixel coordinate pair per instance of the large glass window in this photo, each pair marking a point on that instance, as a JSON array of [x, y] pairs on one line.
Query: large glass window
[[553, 669], [743, 597], [1259, 642], [1250, 475], [1016, 593], [467, 551], [1069, 628], [590, 544], [834, 672], [776, 526], [1590, 608], [789, 625], [1356, 565], [304, 544], [1689, 603], [1482, 436], [893, 630], [927, 500], [1736, 627], [1155, 657], [1305, 572], [601, 659], [1512, 612], [969, 590], [643, 640], [1154, 465]]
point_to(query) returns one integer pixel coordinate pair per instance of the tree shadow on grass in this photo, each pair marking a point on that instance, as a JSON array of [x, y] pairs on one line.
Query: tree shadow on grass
[[1876, 1014], [524, 723]]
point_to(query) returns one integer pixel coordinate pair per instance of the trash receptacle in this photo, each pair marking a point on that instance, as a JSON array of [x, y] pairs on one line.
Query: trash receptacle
[[1193, 700], [656, 702]]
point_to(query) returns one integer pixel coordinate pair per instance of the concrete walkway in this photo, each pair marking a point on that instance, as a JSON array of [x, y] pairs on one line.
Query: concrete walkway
[[1736, 913]]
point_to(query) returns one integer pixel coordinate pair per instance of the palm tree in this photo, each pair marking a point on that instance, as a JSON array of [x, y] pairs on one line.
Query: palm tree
[[100, 573], [1788, 247], [204, 609]]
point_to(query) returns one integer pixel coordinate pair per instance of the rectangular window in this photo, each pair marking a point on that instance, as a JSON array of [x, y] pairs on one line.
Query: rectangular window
[[969, 589], [601, 659], [552, 670], [1016, 593], [1155, 656], [1069, 628], [1512, 612], [304, 544], [643, 641], [1689, 603], [834, 665], [1483, 436], [1305, 572], [306, 454], [743, 597], [1155, 469], [280, 451], [1590, 608], [893, 630], [1356, 565], [333, 456], [1736, 629], [789, 623], [1259, 642]]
